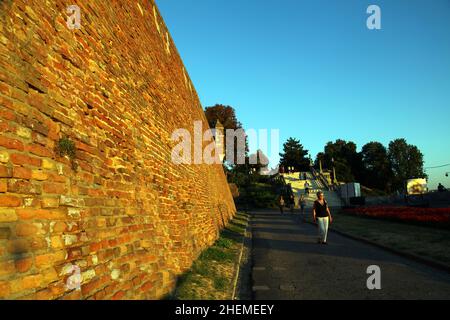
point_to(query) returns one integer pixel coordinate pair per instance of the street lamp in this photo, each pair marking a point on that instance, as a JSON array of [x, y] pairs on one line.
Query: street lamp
[[334, 171]]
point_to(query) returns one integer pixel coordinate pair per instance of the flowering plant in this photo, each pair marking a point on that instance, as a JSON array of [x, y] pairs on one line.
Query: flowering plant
[[412, 214]]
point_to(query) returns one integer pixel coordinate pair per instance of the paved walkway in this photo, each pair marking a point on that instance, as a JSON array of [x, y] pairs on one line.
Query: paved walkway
[[289, 264]]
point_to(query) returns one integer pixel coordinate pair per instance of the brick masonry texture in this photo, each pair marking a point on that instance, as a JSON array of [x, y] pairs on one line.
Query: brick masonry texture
[[126, 216]]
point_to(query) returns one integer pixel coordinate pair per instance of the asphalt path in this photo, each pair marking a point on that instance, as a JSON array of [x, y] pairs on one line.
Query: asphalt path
[[288, 264]]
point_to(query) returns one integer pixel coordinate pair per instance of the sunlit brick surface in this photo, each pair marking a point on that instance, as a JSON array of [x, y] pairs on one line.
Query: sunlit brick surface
[[126, 216]]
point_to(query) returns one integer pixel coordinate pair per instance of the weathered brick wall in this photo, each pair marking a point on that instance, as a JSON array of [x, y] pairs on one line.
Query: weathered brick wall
[[128, 217]]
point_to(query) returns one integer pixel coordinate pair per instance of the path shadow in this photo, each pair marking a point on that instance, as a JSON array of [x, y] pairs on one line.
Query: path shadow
[[338, 246], [333, 249], [275, 230]]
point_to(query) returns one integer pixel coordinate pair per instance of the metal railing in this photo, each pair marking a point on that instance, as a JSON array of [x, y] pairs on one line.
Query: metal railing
[[322, 179]]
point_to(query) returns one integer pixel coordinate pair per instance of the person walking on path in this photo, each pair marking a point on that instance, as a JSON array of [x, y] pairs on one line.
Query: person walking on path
[[306, 187], [292, 203], [302, 204], [281, 203], [321, 214]]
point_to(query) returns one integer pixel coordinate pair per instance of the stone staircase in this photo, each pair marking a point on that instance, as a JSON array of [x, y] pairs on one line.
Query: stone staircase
[[298, 187]]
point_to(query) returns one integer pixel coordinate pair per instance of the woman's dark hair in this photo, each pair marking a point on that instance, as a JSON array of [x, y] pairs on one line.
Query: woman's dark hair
[[319, 193]]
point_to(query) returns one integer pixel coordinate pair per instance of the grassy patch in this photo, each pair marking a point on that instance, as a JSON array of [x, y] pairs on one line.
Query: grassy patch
[[425, 241], [211, 276], [217, 254], [220, 283], [224, 243]]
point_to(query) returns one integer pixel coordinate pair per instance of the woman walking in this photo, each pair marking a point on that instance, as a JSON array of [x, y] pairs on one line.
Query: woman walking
[[321, 214], [292, 203]]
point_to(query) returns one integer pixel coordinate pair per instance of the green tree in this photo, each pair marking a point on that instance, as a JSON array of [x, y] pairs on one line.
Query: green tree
[[227, 116], [347, 161], [406, 162], [377, 171], [241, 175], [294, 155]]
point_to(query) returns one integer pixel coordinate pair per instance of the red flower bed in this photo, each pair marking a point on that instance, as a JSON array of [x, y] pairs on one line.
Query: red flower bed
[[434, 215]]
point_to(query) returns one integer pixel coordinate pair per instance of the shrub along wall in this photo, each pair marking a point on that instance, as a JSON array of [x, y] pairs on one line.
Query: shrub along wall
[[87, 185]]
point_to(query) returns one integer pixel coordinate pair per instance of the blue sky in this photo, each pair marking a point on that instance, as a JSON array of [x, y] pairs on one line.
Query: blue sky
[[313, 70]]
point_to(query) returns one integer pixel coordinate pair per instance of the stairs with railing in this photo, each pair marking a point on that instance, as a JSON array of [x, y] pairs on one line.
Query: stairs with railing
[[316, 183]]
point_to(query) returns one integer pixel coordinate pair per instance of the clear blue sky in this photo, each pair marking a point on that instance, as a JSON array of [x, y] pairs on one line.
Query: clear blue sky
[[312, 69]]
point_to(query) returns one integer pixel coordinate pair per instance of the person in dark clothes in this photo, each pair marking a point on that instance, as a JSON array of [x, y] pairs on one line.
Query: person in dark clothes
[[307, 187], [281, 203], [292, 202], [302, 204], [321, 214]]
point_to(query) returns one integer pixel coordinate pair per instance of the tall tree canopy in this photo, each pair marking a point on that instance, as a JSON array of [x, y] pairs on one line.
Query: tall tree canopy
[[294, 155], [376, 166], [347, 161], [406, 162], [227, 116]]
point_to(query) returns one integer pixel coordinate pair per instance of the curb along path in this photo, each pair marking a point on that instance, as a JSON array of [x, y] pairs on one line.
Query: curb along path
[[240, 281]]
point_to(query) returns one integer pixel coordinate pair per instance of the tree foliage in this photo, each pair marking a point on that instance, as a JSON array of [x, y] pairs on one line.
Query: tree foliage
[[294, 155], [227, 116], [406, 162], [347, 161], [375, 166]]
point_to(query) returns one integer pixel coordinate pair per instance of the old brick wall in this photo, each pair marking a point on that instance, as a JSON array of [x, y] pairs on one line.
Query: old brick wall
[[126, 216]]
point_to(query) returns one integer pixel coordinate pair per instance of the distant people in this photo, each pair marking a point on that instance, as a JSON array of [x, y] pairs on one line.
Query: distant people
[[307, 187], [292, 203], [441, 188], [300, 175], [321, 214], [302, 205], [281, 203]]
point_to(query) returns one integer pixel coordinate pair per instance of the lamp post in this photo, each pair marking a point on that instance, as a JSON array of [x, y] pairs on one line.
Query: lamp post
[[334, 172]]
